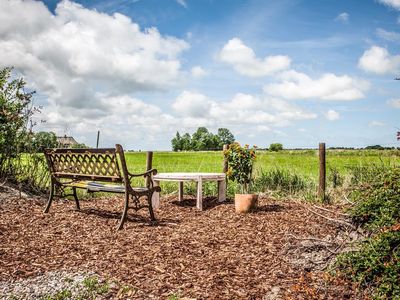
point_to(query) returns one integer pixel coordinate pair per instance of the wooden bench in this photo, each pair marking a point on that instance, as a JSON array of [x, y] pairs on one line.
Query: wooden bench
[[92, 169]]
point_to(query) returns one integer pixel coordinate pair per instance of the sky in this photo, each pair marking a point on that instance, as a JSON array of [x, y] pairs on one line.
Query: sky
[[297, 72]]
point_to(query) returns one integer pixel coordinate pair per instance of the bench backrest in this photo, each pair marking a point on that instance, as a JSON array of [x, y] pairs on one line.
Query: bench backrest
[[86, 164]]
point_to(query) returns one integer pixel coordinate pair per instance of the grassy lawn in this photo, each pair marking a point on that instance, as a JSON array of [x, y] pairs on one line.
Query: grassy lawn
[[300, 162]]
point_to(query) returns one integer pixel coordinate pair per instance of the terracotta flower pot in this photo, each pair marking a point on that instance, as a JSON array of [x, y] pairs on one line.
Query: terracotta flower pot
[[245, 202]]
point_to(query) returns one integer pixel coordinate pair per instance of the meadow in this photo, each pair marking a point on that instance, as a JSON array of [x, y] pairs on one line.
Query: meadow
[[281, 170]]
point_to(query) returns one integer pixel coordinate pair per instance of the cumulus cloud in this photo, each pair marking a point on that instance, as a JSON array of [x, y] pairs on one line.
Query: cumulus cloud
[[378, 60], [343, 17], [69, 53], [243, 59], [192, 104], [296, 85], [242, 109], [198, 72], [391, 3], [390, 36], [332, 115], [394, 103]]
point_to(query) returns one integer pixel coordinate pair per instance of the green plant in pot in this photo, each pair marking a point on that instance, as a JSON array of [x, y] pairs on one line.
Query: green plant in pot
[[240, 162]]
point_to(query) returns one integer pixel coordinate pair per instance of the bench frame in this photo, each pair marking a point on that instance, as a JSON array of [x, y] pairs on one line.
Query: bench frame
[[79, 168]]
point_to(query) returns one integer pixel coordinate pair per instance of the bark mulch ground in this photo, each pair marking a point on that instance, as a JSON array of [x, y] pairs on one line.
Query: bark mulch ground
[[213, 254]]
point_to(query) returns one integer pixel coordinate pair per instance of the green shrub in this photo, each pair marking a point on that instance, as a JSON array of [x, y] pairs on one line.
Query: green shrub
[[280, 180], [276, 147], [378, 203], [376, 263]]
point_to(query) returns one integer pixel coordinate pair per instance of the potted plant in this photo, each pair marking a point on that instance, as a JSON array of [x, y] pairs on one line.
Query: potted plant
[[240, 168]]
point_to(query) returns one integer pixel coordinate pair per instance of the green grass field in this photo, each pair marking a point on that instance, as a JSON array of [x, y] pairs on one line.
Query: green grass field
[[299, 163]]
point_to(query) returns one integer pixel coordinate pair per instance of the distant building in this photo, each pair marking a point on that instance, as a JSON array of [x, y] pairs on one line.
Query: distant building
[[66, 141]]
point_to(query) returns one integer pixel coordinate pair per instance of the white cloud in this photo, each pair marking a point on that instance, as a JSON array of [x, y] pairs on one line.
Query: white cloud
[[332, 115], [70, 54], [394, 103], [192, 104], [182, 2], [245, 62], [242, 109], [296, 85], [378, 60], [198, 72], [343, 17], [390, 36], [391, 3], [375, 123]]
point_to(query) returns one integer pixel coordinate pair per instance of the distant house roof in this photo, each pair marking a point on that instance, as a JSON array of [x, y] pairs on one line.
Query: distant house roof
[[66, 141]]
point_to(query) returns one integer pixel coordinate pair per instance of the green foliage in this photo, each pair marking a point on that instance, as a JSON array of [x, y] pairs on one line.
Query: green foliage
[[240, 165], [15, 110], [376, 263], [378, 203], [282, 181], [276, 147], [202, 140], [79, 146], [43, 140], [335, 177], [376, 147]]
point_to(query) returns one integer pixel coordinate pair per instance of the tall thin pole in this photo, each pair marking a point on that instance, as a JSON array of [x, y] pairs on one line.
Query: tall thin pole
[[149, 165], [98, 138], [322, 172], [225, 163]]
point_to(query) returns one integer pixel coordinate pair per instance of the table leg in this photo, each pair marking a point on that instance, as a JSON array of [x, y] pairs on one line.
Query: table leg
[[199, 203], [155, 200], [221, 190], [180, 192]]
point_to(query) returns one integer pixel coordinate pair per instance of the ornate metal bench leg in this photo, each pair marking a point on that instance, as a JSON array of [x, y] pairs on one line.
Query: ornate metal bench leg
[[76, 198], [52, 188], [124, 213], [149, 197]]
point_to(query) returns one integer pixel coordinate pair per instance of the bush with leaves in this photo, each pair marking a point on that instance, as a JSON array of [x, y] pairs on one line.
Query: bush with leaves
[[376, 263], [378, 203], [240, 165], [15, 111]]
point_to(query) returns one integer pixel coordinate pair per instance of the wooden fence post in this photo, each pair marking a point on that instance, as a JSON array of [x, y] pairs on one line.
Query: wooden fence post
[[322, 172], [149, 164], [98, 138], [225, 164]]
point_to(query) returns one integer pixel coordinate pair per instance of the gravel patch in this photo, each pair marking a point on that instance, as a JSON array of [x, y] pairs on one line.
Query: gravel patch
[[49, 285]]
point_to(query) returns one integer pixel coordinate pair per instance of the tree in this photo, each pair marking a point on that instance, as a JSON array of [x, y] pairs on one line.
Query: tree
[[202, 140], [79, 146], [43, 140], [276, 147], [225, 136], [177, 142], [15, 111]]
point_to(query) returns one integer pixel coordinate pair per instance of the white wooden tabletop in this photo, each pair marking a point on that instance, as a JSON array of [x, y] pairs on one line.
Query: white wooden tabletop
[[189, 176]]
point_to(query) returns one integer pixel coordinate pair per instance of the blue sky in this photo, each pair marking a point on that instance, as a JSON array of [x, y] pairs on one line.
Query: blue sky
[[289, 71]]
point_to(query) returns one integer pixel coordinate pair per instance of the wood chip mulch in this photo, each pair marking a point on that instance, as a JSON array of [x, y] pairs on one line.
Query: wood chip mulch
[[213, 254]]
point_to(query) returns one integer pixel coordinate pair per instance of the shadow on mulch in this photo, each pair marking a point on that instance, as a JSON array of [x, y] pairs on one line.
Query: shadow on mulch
[[269, 208], [131, 218], [208, 203]]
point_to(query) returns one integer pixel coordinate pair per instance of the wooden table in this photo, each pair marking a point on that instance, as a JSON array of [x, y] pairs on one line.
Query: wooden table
[[199, 178]]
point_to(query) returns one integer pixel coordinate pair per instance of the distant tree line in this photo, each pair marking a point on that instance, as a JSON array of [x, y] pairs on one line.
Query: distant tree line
[[202, 140]]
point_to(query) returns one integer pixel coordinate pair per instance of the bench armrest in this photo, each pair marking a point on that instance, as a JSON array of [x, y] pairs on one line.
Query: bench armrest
[[148, 173]]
